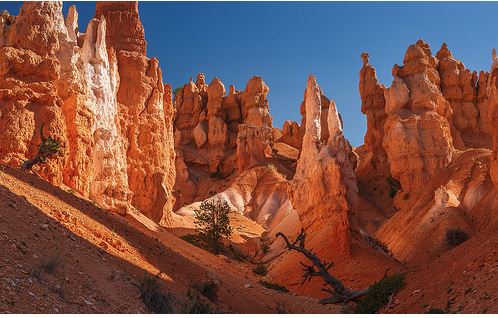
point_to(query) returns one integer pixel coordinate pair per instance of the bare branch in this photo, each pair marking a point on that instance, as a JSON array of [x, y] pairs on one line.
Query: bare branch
[[320, 268]]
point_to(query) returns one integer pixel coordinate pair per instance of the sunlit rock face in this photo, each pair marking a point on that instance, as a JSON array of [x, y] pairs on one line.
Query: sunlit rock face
[[291, 134], [417, 132], [99, 95], [373, 168], [219, 134], [466, 92], [492, 90], [324, 190]]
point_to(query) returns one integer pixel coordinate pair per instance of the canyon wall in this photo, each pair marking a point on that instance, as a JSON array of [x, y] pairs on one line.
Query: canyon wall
[[115, 131], [418, 132], [434, 107], [219, 134], [492, 90]]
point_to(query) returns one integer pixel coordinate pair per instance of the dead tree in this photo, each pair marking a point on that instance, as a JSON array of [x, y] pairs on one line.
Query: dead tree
[[318, 268], [47, 148]]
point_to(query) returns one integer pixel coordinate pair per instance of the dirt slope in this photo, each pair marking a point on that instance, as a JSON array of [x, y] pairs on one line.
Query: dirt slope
[[100, 258]]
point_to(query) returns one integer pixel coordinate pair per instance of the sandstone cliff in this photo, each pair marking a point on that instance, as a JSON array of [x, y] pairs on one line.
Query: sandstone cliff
[[217, 135], [492, 90], [115, 131], [467, 94], [373, 168], [418, 132]]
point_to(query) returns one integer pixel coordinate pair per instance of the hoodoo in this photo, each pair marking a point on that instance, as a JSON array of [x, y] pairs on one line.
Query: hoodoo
[[115, 131], [190, 200]]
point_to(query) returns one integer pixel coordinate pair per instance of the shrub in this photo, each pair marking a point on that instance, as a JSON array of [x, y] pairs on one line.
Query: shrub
[[260, 270], [378, 294], [213, 223], [48, 265], [194, 304], [208, 289], [265, 248], [436, 311], [394, 186], [377, 244], [281, 309], [274, 286], [233, 252], [152, 296], [455, 237], [47, 148], [192, 239]]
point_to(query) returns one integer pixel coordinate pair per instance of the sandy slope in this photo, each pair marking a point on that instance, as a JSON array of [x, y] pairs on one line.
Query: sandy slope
[[103, 256]]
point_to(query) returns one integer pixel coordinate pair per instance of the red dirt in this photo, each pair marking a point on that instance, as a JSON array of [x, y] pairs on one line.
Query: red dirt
[[102, 253]]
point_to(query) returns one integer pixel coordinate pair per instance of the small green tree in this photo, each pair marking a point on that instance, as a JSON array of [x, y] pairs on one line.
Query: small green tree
[[47, 148], [213, 223]]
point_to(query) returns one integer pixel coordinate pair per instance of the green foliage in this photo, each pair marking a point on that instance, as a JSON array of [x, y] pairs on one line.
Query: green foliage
[[48, 148], [152, 296], [260, 270], [378, 294], [394, 186], [436, 311], [455, 237], [274, 286], [213, 223]]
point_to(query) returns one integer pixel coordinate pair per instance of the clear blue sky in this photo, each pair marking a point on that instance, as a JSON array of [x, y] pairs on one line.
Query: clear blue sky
[[284, 42]]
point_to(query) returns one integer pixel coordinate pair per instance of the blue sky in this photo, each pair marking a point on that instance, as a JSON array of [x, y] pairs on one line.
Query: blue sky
[[286, 41]]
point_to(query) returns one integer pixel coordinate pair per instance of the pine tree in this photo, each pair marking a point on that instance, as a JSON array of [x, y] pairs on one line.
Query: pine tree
[[213, 223]]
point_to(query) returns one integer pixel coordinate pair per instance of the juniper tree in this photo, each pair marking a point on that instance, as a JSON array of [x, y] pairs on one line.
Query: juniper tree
[[47, 148], [213, 223]]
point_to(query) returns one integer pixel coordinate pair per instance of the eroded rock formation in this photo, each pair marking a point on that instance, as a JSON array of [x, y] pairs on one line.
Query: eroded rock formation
[[291, 134], [217, 135], [466, 92], [418, 135], [373, 168], [492, 90], [324, 190], [95, 92]]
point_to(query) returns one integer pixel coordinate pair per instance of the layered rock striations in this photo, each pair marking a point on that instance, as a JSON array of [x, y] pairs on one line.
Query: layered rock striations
[[373, 169], [144, 116], [324, 190], [218, 134], [115, 131], [492, 91], [418, 131], [440, 119], [467, 94]]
